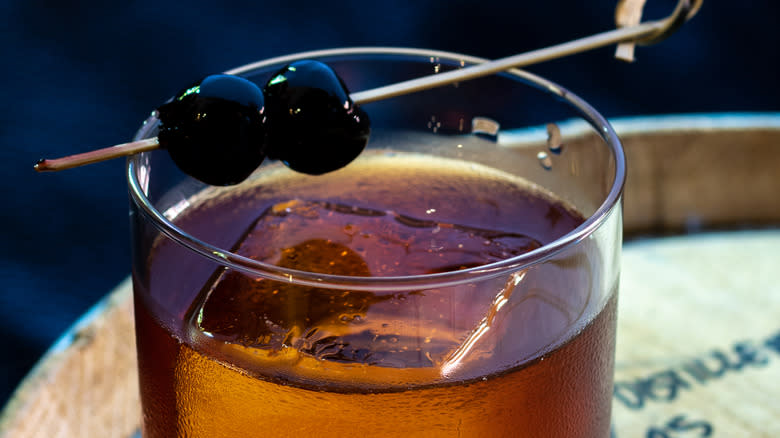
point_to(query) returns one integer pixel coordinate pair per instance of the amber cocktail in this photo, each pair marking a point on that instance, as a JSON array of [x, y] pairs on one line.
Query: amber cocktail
[[458, 279]]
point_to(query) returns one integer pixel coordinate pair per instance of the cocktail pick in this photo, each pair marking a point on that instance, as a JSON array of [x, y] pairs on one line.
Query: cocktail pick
[[645, 33]]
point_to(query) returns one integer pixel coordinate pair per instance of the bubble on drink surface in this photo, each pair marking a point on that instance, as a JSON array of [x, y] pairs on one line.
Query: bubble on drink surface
[[346, 326], [554, 139], [544, 160], [486, 127]]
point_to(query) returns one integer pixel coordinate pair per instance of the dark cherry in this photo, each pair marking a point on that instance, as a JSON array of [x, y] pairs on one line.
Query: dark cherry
[[215, 130], [313, 125]]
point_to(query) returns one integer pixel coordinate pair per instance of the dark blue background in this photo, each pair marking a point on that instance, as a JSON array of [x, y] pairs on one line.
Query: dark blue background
[[78, 75]]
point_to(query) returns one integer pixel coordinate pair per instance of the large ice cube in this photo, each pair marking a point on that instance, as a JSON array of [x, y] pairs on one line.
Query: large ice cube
[[391, 329]]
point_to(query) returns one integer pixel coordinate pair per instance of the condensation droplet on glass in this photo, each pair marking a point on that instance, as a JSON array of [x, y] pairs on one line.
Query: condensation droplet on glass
[[554, 139], [544, 160]]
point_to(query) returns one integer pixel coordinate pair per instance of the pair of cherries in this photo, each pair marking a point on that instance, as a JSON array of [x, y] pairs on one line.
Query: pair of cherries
[[222, 128]]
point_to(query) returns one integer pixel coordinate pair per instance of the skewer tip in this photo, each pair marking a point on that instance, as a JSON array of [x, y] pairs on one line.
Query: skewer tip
[[97, 155], [40, 165]]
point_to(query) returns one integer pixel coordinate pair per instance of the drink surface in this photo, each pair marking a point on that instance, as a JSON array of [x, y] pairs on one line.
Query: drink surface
[[511, 355]]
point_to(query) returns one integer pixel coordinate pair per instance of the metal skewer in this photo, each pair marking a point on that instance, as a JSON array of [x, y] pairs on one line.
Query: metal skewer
[[644, 34]]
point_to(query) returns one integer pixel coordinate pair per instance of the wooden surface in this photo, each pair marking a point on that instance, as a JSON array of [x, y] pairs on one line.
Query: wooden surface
[[699, 337], [698, 350], [87, 384]]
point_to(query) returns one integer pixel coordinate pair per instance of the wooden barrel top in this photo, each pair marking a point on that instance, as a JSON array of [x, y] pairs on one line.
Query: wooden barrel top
[[698, 347]]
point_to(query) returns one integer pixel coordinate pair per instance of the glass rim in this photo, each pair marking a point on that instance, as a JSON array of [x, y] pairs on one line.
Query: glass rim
[[409, 282]]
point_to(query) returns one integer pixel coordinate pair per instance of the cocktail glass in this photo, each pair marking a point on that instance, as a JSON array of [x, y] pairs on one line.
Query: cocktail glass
[[458, 279]]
